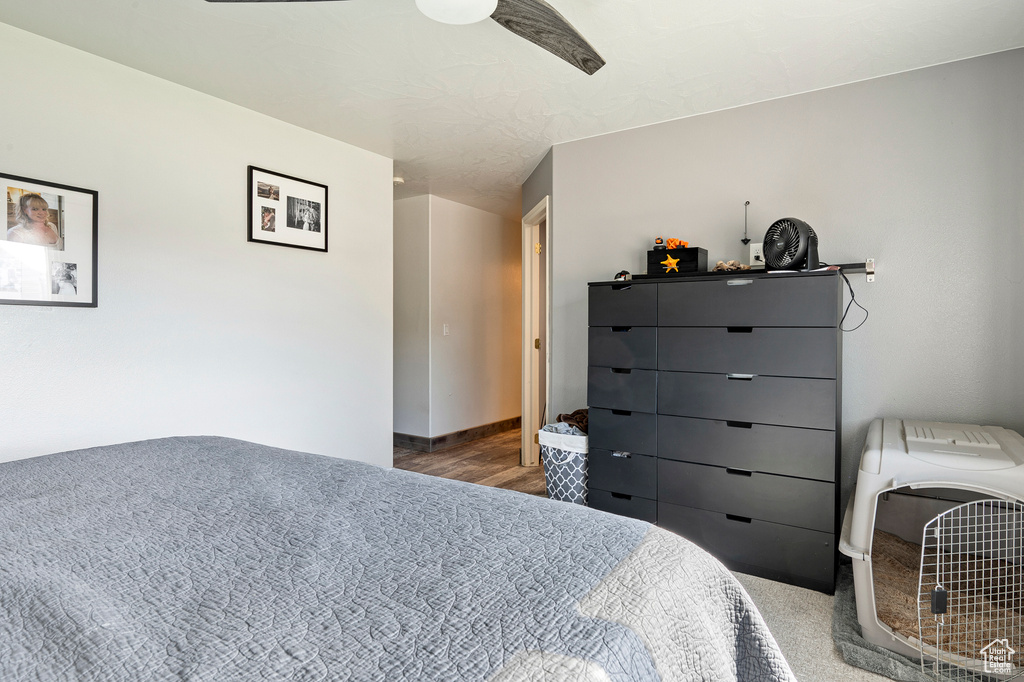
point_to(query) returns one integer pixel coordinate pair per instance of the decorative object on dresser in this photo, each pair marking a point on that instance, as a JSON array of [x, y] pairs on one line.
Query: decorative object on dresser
[[674, 256], [715, 412]]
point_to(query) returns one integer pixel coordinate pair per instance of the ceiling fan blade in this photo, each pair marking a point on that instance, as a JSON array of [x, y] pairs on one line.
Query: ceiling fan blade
[[542, 25]]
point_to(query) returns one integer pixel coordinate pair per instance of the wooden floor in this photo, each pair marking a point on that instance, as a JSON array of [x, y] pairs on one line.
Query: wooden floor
[[492, 461]]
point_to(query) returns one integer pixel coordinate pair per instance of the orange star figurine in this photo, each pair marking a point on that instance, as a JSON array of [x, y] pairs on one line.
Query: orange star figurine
[[671, 264]]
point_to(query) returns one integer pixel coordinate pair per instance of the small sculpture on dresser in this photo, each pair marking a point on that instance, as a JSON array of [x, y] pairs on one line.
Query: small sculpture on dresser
[[728, 267]]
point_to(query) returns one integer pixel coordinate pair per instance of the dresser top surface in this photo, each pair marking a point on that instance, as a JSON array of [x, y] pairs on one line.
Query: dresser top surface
[[737, 274]]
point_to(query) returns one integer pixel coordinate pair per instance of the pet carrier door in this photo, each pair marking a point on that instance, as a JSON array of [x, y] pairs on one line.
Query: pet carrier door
[[970, 593]]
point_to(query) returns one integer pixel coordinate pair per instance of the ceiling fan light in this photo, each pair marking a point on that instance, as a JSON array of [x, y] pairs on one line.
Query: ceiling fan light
[[457, 11]]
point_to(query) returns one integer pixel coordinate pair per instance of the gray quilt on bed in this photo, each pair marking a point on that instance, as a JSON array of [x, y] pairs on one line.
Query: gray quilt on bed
[[215, 559]]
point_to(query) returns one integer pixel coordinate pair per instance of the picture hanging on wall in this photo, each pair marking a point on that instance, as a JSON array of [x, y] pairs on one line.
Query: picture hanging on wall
[[287, 211], [48, 245]]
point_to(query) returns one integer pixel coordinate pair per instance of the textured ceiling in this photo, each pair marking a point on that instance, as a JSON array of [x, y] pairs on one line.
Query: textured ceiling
[[468, 111]]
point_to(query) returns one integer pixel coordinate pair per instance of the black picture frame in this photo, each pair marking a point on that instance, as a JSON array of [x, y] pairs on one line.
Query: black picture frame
[[35, 270], [286, 211]]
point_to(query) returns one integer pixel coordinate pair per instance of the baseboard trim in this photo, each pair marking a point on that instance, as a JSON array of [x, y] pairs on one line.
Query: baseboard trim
[[424, 444]]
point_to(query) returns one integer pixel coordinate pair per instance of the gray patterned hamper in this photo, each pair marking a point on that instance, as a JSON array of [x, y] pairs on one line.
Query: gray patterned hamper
[[563, 450]]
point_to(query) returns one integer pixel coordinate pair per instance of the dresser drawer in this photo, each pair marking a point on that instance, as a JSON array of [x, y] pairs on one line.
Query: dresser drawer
[[765, 497], [624, 347], [635, 432], [756, 301], [623, 304], [622, 389], [783, 401], [770, 549], [776, 351], [809, 453], [621, 472], [624, 505]]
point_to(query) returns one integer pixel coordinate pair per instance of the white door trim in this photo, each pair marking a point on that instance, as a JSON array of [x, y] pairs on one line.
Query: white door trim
[[535, 362]]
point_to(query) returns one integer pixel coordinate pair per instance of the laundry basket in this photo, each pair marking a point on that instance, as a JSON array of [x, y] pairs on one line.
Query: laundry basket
[[563, 450]]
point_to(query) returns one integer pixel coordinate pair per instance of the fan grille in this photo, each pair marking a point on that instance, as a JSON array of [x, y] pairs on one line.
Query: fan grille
[[785, 240], [782, 243]]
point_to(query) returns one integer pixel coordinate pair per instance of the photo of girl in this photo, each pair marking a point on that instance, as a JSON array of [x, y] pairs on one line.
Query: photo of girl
[[33, 221], [48, 244]]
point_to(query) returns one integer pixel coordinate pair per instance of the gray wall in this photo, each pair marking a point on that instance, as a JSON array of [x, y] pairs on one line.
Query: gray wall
[[539, 184], [920, 170]]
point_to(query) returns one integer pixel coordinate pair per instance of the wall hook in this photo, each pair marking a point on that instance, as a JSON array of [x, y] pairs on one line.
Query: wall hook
[[745, 240]]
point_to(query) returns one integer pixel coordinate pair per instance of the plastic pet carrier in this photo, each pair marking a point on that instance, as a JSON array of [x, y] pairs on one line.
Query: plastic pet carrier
[[935, 529]]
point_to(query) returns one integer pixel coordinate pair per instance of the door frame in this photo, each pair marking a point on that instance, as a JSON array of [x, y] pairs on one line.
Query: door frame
[[535, 363]]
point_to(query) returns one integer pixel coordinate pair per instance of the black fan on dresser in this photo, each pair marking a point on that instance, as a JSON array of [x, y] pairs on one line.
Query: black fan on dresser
[[790, 244], [535, 20]]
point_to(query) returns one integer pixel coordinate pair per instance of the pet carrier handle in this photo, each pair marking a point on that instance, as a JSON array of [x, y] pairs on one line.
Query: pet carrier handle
[[739, 377]]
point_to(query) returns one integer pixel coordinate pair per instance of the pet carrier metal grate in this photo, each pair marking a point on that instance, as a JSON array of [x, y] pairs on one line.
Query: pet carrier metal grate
[[971, 590]]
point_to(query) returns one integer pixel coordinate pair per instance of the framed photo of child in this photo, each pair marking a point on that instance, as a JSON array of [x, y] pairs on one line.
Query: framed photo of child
[[287, 211], [48, 246]]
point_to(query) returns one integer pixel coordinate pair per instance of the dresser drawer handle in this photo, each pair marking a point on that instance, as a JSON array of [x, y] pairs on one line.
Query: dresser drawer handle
[[621, 330], [623, 455], [621, 287], [738, 472], [740, 519], [617, 370], [738, 282], [620, 496], [739, 425], [739, 330], [623, 413], [740, 377]]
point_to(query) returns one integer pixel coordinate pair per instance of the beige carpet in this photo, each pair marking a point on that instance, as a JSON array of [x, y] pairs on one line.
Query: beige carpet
[[801, 621]]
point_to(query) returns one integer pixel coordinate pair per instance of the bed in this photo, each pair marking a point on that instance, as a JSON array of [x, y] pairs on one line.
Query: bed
[[202, 558]]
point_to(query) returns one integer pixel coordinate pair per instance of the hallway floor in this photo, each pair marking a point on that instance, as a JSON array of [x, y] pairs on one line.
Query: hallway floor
[[491, 461]]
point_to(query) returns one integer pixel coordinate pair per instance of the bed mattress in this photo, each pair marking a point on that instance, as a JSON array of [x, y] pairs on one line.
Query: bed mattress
[[202, 558]]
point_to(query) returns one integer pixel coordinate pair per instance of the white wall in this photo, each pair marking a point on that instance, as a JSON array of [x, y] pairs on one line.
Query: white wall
[[922, 171], [475, 288], [470, 281], [412, 316], [197, 331]]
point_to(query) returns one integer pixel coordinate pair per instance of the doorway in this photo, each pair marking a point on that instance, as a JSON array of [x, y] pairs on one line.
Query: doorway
[[536, 329]]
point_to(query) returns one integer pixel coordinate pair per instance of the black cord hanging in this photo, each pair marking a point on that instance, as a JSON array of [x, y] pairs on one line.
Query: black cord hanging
[[853, 301]]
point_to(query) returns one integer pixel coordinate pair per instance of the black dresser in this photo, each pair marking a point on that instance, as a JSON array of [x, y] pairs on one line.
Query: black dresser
[[715, 413]]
